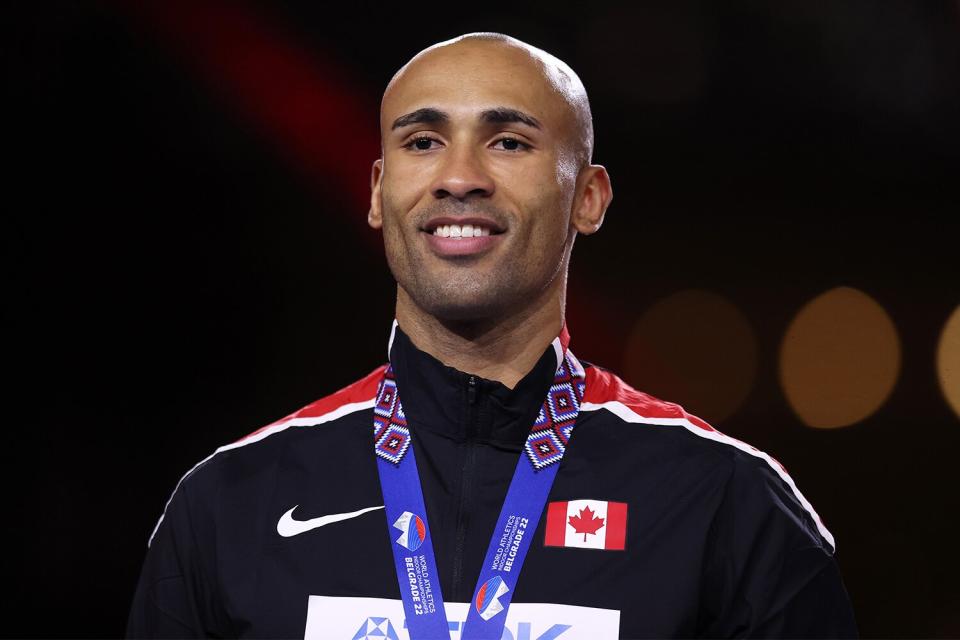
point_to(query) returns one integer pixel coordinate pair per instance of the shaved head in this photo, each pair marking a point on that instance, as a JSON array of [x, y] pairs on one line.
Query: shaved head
[[484, 181], [562, 82]]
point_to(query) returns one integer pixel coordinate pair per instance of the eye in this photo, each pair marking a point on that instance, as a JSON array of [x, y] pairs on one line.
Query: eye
[[421, 143], [510, 144]]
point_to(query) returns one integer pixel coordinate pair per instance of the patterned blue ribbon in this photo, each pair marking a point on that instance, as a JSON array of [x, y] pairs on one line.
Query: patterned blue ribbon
[[407, 517]]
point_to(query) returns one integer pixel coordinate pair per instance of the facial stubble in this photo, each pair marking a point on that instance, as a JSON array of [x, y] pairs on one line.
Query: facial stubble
[[466, 289]]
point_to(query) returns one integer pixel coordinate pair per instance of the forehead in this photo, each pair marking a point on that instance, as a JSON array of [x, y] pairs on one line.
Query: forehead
[[464, 79]]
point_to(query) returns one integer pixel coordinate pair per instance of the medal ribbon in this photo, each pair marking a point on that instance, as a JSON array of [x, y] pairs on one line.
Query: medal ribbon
[[407, 517]]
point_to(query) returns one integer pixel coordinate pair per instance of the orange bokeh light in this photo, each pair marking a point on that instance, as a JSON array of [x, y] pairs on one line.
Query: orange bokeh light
[[695, 348], [839, 359], [948, 361]]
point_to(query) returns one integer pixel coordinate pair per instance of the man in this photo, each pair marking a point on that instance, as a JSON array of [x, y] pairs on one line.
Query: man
[[485, 483]]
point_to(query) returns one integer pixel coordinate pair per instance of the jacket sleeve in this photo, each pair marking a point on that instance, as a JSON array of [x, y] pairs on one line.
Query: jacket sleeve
[[175, 597], [770, 573]]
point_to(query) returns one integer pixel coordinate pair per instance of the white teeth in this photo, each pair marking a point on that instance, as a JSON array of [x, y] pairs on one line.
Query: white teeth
[[457, 231]]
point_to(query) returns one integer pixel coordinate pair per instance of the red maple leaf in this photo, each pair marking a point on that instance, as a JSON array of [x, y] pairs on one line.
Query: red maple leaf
[[586, 522]]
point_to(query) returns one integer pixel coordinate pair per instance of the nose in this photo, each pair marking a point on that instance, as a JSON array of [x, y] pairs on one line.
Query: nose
[[461, 175]]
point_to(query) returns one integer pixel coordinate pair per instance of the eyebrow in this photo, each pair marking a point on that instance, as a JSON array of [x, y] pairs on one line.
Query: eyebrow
[[506, 114], [430, 115], [427, 115]]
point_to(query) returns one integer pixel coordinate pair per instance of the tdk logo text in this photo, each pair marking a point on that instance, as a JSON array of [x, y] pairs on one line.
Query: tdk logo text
[[523, 631], [384, 619], [376, 629]]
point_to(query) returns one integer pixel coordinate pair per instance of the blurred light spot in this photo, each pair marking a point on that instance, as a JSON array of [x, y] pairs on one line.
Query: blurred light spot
[[301, 99], [694, 348], [839, 359], [948, 361]]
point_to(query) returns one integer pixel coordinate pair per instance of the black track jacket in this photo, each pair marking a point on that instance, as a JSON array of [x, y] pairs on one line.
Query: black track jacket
[[718, 540]]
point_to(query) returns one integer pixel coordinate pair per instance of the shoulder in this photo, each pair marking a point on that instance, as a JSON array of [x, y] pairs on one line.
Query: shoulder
[[357, 396], [258, 451], [334, 409], [605, 390], [627, 408], [753, 474]]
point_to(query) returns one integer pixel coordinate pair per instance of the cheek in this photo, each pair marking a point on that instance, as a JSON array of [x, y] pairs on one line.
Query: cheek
[[406, 177], [397, 193], [546, 199], [550, 176], [392, 217]]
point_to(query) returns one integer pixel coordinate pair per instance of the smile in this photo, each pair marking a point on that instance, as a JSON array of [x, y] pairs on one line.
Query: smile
[[461, 231], [450, 237]]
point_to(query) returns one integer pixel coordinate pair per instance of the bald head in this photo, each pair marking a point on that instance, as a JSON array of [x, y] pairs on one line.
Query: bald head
[[484, 181], [494, 57]]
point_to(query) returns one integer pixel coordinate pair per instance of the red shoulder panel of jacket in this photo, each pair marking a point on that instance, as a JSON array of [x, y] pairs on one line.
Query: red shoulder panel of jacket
[[363, 390], [604, 386]]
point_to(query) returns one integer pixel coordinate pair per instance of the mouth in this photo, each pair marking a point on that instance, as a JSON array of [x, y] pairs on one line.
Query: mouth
[[459, 238], [463, 228]]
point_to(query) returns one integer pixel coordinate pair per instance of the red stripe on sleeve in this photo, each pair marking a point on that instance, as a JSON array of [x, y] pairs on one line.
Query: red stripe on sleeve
[[360, 391], [556, 524], [616, 526]]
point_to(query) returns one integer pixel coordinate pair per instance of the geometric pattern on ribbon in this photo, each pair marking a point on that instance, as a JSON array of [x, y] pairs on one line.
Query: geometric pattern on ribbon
[[548, 438], [550, 434], [391, 436]]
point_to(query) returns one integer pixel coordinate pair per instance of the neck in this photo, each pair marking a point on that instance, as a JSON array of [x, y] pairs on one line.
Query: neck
[[503, 349]]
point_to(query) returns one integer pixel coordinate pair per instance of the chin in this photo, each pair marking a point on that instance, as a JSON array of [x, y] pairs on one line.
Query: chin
[[454, 311], [463, 306]]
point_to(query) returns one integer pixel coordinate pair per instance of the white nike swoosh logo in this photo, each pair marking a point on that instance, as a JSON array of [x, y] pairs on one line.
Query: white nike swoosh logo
[[288, 527]]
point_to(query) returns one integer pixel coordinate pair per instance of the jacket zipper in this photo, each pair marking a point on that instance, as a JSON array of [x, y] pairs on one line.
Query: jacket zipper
[[466, 481]]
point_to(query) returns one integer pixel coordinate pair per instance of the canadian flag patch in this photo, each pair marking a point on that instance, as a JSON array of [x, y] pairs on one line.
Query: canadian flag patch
[[588, 524]]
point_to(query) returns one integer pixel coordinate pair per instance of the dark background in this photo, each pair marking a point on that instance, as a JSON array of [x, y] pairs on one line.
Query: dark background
[[187, 259]]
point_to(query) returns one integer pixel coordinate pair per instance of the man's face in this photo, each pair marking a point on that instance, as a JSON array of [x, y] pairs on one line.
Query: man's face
[[477, 181]]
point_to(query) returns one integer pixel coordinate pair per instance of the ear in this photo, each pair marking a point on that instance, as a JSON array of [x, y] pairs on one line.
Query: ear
[[593, 197], [375, 216]]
